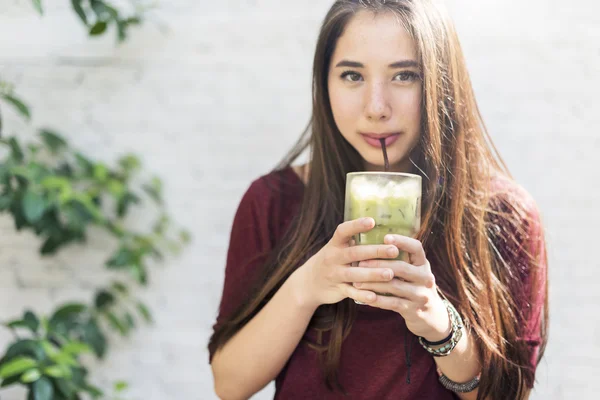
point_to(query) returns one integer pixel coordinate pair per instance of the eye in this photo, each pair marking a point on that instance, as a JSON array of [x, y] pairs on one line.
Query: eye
[[407, 76], [351, 76]]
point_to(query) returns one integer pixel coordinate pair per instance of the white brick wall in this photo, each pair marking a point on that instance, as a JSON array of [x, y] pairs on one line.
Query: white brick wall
[[216, 101]]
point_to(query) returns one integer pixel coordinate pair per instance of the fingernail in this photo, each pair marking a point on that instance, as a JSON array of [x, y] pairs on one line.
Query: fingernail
[[388, 238], [367, 222], [363, 264], [391, 251], [388, 274], [357, 285]]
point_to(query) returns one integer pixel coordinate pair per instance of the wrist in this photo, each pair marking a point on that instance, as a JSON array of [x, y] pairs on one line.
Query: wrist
[[442, 325], [300, 289]]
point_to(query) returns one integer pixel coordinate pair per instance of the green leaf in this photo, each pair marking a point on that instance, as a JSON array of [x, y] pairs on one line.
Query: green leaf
[[10, 381], [120, 287], [18, 104], [121, 386], [76, 215], [98, 28], [123, 258], [89, 205], [56, 183], [17, 366], [65, 387], [130, 163], [55, 371], [51, 350], [144, 311], [127, 199], [23, 172], [79, 10], [17, 153], [185, 236], [33, 149], [104, 299], [5, 201], [78, 376], [34, 205], [32, 321], [68, 310], [31, 376], [133, 21], [52, 244], [124, 24], [75, 347], [100, 172], [86, 164], [38, 6], [116, 188], [116, 323], [25, 347], [93, 391], [63, 318], [121, 31], [129, 320], [17, 323], [95, 338], [65, 360], [53, 140], [103, 10], [42, 389], [154, 190], [139, 273]]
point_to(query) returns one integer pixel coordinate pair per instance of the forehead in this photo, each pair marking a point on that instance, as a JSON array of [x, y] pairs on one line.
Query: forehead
[[374, 38]]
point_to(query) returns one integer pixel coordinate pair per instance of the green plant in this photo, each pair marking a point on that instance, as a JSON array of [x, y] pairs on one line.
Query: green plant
[[59, 193], [98, 15]]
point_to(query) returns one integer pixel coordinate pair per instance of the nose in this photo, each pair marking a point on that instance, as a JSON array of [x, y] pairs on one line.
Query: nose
[[377, 107]]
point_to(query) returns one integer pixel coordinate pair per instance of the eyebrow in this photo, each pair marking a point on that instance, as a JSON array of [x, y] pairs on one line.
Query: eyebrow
[[397, 64]]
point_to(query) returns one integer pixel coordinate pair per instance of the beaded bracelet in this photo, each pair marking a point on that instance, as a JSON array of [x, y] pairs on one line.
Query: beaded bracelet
[[452, 340]]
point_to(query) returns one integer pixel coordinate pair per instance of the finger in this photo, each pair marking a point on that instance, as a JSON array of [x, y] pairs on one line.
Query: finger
[[368, 251], [363, 296], [346, 230], [392, 303], [395, 287], [410, 245], [404, 270], [356, 274]]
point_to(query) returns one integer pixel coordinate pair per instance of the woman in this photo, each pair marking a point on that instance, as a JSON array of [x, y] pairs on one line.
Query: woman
[[466, 317]]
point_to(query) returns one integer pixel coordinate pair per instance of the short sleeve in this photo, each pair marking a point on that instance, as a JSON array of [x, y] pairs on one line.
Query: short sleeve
[[524, 250], [249, 247], [533, 294]]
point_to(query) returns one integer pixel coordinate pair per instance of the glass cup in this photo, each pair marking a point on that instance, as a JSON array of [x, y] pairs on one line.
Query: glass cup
[[392, 199]]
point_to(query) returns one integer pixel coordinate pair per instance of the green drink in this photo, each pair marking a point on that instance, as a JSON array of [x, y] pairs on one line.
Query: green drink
[[392, 199]]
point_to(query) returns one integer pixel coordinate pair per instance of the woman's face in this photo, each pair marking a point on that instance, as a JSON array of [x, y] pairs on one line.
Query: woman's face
[[375, 89]]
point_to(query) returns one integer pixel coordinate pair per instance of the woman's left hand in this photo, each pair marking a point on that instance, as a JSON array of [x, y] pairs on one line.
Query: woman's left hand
[[413, 292]]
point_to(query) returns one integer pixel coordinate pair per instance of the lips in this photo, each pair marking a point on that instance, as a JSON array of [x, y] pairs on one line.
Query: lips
[[373, 139]]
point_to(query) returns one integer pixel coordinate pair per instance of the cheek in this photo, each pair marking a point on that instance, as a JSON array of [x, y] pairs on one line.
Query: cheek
[[345, 108], [410, 108]]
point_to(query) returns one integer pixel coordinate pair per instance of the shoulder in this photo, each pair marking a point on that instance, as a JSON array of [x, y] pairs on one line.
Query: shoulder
[[515, 222], [507, 195], [268, 196], [274, 184]]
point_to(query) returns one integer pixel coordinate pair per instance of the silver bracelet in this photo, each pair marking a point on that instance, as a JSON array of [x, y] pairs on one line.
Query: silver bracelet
[[459, 387]]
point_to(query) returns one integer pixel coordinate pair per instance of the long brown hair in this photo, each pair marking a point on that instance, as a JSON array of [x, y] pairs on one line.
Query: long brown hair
[[471, 234]]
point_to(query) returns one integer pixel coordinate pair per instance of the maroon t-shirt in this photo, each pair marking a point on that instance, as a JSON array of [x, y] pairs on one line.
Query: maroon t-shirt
[[381, 358]]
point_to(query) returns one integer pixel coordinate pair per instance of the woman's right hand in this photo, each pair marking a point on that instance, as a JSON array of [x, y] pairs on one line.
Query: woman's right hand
[[327, 277]]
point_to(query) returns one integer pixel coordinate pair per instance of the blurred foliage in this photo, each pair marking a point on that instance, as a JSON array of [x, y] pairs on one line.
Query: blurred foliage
[[59, 193], [98, 15]]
